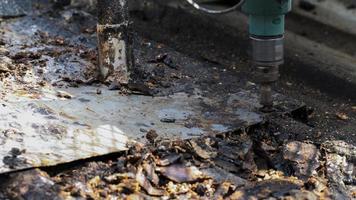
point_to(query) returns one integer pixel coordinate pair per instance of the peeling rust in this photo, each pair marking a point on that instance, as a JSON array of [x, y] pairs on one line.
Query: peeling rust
[[114, 41]]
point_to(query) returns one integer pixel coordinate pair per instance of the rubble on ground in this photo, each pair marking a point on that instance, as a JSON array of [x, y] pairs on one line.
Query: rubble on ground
[[246, 164], [304, 158], [225, 166]]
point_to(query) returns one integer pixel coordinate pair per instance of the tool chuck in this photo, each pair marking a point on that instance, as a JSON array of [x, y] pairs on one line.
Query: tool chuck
[[267, 55], [266, 28]]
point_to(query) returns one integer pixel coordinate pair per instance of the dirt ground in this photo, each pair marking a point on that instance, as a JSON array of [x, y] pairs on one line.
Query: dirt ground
[[306, 154], [297, 81]]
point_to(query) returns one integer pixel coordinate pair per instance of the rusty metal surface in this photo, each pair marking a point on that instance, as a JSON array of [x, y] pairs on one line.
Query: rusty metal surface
[[114, 41], [51, 113]]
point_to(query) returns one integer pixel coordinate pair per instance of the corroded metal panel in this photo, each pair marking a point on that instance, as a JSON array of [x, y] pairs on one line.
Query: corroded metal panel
[[52, 130]]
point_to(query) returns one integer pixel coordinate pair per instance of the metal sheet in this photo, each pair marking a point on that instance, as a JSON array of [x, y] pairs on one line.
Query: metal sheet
[[51, 130]]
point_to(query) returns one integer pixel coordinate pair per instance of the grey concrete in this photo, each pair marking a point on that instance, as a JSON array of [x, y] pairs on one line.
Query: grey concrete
[[12, 8]]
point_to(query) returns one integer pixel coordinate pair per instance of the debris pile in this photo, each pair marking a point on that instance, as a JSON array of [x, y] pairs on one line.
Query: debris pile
[[341, 168], [230, 166], [54, 51]]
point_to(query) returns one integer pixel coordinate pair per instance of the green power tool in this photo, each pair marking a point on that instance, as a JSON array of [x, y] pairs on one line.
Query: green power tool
[[266, 28]]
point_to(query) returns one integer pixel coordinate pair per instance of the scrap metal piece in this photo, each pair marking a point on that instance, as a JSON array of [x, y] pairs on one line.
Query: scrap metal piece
[[114, 41], [53, 130], [13, 8], [181, 173], [304, 158]]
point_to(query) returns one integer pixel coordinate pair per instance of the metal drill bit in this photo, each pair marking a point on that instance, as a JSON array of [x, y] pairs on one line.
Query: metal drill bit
[[266, 99]]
